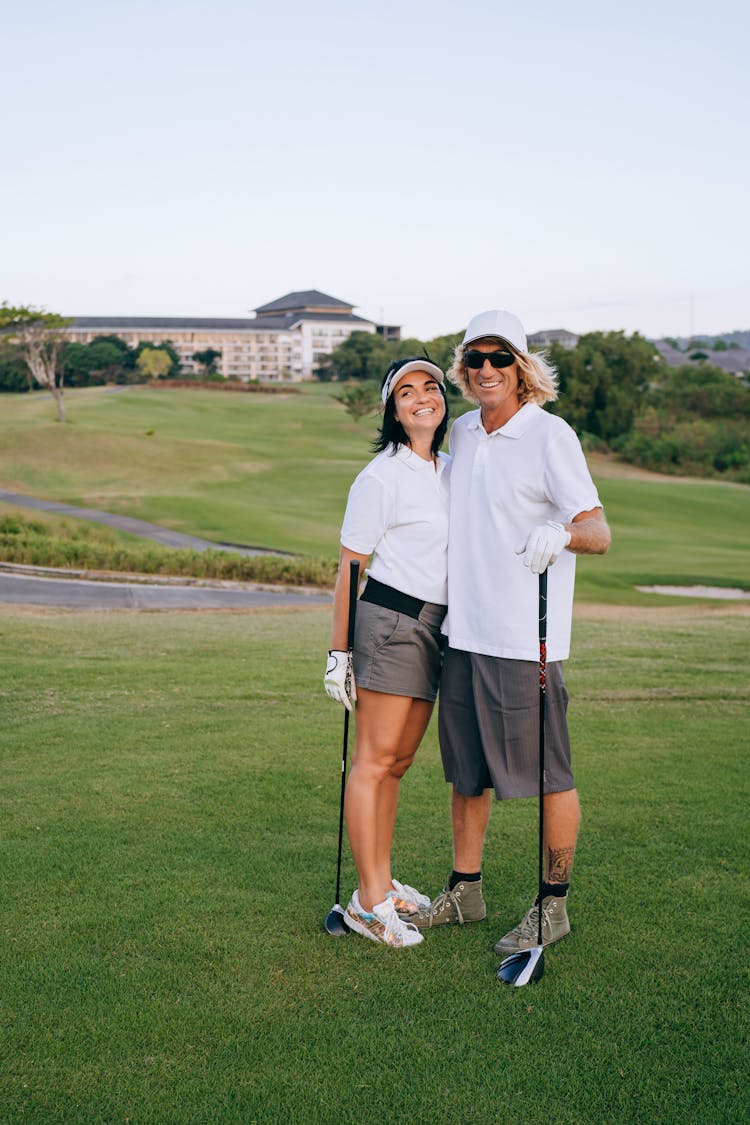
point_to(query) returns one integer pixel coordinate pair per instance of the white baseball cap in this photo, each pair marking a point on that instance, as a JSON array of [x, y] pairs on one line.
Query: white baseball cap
[[497, 322], [401, 367]]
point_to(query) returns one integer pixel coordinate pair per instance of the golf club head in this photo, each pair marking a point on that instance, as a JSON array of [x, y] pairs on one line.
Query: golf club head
[[335, 924], [522, 967]]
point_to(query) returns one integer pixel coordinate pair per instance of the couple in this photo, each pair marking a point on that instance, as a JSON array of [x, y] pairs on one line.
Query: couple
[[519, 499]]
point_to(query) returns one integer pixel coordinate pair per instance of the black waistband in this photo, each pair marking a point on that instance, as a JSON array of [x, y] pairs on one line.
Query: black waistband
[[380, 594]]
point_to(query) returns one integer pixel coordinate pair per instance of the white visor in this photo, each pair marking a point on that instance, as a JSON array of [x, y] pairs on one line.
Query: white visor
[[395, 378]]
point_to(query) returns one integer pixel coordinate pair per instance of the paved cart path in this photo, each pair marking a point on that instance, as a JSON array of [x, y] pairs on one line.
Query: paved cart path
[[22, 588], [74, 593], [143, 528]]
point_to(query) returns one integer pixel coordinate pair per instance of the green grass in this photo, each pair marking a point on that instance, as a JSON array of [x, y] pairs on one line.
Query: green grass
[[169, 813], [274, 471], [267, 471], [668, 533]]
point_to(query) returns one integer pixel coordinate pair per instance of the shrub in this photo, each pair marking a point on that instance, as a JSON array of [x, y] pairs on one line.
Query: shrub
[[84, 547]]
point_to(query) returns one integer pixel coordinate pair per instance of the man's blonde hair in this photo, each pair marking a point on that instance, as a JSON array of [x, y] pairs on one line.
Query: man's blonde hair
[[537, 377]]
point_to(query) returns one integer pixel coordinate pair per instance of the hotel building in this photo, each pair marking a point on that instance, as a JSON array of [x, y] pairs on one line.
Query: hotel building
[[284, 340]]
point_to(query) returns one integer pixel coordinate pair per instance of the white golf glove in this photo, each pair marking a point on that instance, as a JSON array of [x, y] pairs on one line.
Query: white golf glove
[[339, 678], [543, 544]]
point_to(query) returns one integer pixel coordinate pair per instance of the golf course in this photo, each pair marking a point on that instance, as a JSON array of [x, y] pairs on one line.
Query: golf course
[[169, 815]]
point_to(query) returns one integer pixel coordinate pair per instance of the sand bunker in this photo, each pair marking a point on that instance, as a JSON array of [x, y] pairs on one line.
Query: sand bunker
[[726, 592]]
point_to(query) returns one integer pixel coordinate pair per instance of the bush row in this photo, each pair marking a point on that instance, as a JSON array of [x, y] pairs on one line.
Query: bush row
[[32, 543]]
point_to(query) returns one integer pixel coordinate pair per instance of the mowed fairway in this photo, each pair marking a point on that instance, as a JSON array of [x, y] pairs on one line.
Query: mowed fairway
[[274, 470], [169, 810], [262, 470], [169, 813]]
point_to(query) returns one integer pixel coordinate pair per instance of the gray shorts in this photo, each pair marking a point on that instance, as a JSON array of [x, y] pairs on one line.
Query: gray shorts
[[489, 726], [397, 654]]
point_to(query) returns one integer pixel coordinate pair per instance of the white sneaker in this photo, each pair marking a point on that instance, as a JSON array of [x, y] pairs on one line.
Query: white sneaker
[[381, 924], [406, 899]]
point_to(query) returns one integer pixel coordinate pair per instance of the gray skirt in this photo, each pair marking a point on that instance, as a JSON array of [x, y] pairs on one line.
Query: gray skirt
[[398, 654]]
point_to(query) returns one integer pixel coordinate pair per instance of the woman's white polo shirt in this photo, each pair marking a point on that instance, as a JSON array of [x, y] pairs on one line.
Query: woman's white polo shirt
[[502, 485], [398, 511]]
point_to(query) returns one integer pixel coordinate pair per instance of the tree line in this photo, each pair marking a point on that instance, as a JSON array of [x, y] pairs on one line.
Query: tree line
[[616, 391], [35, 350]]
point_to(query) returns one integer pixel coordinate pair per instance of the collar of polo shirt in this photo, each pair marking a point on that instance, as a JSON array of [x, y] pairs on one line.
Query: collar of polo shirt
[[515, 427]]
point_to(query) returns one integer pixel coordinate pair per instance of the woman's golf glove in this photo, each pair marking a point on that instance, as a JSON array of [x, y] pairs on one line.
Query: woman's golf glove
[[339, 678], [543, 545]]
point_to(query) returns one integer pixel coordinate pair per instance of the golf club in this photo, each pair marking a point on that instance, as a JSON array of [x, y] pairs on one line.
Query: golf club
[[335, 925], [528, 964]]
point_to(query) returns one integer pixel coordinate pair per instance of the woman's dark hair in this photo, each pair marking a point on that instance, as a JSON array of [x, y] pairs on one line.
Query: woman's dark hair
[[391, 431]]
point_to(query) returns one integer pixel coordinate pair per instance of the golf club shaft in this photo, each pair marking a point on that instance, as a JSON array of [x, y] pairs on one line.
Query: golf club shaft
[[542, 708], [353, 584]]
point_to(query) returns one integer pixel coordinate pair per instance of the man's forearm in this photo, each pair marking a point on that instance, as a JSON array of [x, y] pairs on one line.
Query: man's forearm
[[589, 534]]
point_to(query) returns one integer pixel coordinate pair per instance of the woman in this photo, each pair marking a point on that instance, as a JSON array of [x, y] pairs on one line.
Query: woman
[[397, 514]]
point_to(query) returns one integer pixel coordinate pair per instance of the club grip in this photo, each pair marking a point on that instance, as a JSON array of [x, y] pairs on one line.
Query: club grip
[[353, 585], [543, 607]]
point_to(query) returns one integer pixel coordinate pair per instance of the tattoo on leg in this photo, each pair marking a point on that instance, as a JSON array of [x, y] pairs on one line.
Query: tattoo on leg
[[559, 864]]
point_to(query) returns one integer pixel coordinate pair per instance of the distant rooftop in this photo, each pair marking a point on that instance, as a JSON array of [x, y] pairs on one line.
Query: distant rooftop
[[547, 336], [180, 323], [736, 361], [306, 300], [209, 324]]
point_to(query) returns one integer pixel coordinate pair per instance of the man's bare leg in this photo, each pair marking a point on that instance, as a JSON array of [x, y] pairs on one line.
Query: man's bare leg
[[470, 817], [562, 816]]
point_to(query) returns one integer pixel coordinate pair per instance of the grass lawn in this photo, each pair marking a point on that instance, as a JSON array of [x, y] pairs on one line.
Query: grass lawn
[[169, 814], [274, 471], [271, 472]]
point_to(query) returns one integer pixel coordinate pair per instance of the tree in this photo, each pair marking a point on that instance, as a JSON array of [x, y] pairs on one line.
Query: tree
[[442, 348], [154, 363], [602, 381], [166, 347], [40, 336], [360, 399], [363, 355], [14, 374], [105, 360], [207, 359], [697, 421], [705, 391]]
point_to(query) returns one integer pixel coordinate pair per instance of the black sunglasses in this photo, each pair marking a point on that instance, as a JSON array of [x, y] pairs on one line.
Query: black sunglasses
[[475, 359]]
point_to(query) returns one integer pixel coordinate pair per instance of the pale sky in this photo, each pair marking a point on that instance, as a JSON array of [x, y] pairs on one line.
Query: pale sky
[[584, 164]]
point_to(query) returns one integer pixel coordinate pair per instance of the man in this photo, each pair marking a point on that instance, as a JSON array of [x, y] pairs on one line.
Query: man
[[522, 500]]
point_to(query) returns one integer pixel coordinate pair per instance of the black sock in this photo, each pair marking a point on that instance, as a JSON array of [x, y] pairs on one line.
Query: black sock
[[557, 890], [463, 877]]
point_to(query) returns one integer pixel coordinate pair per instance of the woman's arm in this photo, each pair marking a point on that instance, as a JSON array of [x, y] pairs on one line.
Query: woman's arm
[[341, 597]]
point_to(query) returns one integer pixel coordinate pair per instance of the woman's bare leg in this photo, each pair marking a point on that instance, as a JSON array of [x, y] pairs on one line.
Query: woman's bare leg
[[389, 730]]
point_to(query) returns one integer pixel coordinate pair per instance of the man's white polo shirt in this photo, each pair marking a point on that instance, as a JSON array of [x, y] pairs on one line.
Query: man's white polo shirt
[[398, 508], [502, 485]]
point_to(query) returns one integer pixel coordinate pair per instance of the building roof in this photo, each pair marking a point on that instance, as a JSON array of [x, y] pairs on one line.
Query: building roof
[[183, 323], [210, 324], [305, 299], [552, 334], [736, 361]]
